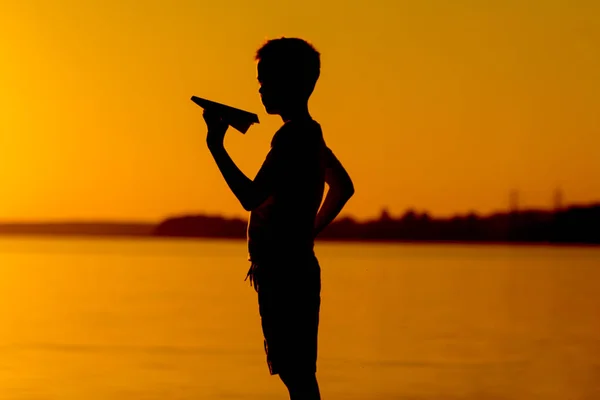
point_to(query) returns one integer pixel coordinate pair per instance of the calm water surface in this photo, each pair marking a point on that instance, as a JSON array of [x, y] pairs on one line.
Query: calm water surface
[[125, 319]]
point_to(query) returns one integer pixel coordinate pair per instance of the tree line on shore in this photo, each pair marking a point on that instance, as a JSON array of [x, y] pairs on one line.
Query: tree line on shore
[[575, 224]]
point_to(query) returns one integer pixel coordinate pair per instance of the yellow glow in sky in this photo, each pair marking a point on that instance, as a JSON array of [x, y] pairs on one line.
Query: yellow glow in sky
[[440, 107]]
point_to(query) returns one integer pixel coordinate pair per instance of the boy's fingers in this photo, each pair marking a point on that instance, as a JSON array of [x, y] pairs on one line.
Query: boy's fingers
[[211, 115]]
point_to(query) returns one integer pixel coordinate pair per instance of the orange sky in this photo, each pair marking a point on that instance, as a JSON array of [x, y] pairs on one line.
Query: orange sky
[[438, 107]]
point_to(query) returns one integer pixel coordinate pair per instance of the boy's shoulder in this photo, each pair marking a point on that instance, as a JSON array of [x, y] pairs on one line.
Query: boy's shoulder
[[298, 133]]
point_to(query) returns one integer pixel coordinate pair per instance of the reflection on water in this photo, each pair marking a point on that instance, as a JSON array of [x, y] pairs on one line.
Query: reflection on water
[[175, 320]]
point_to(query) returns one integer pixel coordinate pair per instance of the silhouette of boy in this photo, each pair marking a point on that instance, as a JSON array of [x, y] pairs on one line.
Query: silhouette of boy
[[283, 200]]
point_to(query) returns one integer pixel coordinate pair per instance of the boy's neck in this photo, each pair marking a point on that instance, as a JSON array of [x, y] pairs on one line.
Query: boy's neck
[[296, 113]]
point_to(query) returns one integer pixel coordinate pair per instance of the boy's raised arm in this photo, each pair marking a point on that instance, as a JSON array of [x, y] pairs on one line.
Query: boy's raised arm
[[249, 193]]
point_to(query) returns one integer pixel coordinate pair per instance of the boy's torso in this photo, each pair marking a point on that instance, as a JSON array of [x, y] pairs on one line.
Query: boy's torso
[[283, 225]]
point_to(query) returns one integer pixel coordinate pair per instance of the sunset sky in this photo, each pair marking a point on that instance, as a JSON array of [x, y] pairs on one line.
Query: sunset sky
[[437, 105]]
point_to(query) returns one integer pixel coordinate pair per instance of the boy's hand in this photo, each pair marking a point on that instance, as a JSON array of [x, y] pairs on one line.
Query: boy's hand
[[216, 128]]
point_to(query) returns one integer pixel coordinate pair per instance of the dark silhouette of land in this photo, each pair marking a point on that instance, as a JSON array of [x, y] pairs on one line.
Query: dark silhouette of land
[[572, 225]]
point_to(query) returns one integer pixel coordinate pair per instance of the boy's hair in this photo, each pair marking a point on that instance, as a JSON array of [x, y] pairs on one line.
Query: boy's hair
[[296, 57]]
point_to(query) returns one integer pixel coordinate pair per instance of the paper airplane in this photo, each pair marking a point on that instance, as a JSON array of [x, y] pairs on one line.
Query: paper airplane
[[239, 119]]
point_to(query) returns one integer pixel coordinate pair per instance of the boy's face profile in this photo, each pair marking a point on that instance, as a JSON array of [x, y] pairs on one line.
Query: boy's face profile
[[270, 88], [277, 93]]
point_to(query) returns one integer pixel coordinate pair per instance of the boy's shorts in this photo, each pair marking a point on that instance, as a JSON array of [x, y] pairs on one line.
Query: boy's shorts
[[289, 300]]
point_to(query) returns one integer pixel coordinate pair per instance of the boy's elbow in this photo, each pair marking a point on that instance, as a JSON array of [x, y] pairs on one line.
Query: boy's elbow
[[342, 188], [250, 205], [348, 194], [252, 200], [349, 189], [351, 192]]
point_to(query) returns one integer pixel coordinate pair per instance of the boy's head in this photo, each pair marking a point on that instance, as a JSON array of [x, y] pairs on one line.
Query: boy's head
[[288, 70]]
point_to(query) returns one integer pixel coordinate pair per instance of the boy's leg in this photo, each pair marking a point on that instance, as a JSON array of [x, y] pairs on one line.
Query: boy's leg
[[297, 361], [290, 329], [290, 318]]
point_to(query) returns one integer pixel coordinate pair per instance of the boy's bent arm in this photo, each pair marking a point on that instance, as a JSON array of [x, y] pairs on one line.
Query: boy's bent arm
[[247, 192], [340, 191], [336, 175]]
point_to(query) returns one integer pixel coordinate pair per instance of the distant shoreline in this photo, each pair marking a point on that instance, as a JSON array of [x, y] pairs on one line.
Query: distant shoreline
[[573, 226]]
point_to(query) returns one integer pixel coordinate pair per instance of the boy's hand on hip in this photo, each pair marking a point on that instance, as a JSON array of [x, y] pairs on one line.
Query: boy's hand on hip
[[216, 128]]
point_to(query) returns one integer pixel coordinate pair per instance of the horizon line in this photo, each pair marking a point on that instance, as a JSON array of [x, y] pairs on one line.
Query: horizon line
[[383, 211]]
